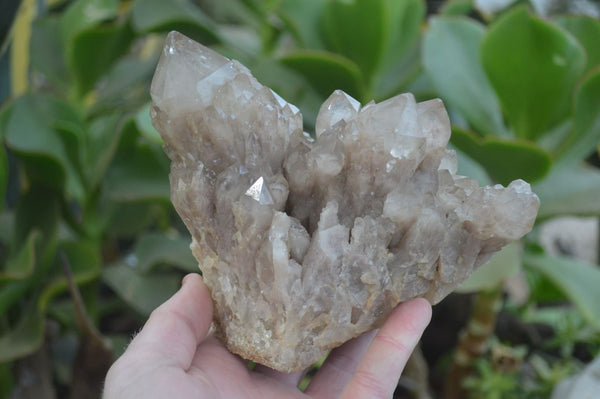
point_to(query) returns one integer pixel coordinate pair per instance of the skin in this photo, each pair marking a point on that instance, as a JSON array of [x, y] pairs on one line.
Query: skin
[[175, 356]]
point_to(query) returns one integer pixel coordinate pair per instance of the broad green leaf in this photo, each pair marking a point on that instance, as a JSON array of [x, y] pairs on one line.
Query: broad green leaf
[[129, 219], [326, 71], [143, 292], [167, 15], [141, 175], [457, 7], [153, 249], [83, 14], [401, 58], [303, 18], [406, 18], [503, 265], [244, 43], [29, 135], [236, 11], [504, 160], [533, 66], [21, 265], [569, 190], [85, 263], [286, 82], [12, 293], [45, 132], [578, 280], [38, 209], [25, 338], [452, 61], [358, 30], [126, 85], [587, 31], [3, 175], [47, 52], [95, 50], [542, 289], [585, 136], [102, 139]]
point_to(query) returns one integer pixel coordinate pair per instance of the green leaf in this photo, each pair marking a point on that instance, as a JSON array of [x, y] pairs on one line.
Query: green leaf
[[587, 31], [95, 50], [167, 15], [141, 175], [533, 66], [84, 14], [401, 58], [126, 85], [37, 209], [153, 249], [102, 140], [47, 52], [21, 265], [358, 29], [25, 338], [457, 7], [326, 71], [504, 264], [85, 264], [569, 190], [578, 280], [129, 219], [406, 18], [542, 290], [303, 18], [28, 134], [45, 133], [143, 292], [504, 160], [451, 60], [585, 135]]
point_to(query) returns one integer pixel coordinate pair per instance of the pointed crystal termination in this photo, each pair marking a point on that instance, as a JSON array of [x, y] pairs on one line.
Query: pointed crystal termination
[[307, 243]]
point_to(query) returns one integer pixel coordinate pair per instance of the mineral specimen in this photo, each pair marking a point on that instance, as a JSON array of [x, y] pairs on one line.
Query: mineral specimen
[[306, 243]]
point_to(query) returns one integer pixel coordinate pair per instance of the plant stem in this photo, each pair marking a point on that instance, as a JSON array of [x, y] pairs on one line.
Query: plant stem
[[473, 340]]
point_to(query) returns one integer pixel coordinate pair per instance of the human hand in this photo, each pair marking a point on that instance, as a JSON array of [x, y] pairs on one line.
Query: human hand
[[175, 357]]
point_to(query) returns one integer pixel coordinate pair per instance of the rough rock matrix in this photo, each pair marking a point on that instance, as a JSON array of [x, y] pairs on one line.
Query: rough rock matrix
[[306, 243]]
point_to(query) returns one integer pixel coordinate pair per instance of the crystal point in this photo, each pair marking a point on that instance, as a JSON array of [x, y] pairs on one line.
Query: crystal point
[[307, 243]]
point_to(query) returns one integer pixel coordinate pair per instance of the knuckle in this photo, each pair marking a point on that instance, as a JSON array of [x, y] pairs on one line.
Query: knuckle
[[393, 343], [368, 383]]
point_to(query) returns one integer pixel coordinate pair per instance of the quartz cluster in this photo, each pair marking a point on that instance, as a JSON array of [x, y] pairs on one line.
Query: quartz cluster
[[307, 242]]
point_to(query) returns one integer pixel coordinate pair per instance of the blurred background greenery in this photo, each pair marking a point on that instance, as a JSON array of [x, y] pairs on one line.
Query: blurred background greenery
[[90, 243]]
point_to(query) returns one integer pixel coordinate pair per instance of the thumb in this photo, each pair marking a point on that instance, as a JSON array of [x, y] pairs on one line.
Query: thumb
[[176, 327]]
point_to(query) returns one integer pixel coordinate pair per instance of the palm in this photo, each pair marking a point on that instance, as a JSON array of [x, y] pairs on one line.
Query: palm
[[215, 373], [175, 357]]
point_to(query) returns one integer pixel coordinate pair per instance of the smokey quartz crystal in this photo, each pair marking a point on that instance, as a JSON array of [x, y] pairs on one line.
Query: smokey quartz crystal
[[307, 242]]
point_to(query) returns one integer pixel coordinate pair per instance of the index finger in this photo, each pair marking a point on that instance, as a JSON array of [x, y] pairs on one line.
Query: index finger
[[378, 372]]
